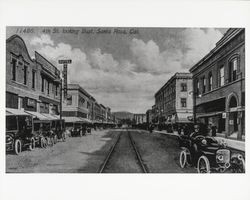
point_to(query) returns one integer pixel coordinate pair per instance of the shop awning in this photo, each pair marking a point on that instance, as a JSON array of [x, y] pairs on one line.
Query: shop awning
[[208, 114], [12, 111], [72, 119], [183, 117], [49, 116], [37, 115], [86, 120]]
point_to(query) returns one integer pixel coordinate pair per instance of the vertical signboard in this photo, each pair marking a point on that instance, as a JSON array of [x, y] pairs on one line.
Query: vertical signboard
[[65, 69], [65, 88]]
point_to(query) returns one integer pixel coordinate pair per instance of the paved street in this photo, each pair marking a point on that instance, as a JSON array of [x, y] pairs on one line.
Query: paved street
[[77, 154], [86, 154]]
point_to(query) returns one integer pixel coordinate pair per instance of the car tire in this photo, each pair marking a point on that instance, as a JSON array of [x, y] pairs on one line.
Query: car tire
[[183, 159], [18, 146], [43, 142], [50, 141], [55, 139], [238, 165], [203, 165], [63, 137], [80, 133], [32, 144]]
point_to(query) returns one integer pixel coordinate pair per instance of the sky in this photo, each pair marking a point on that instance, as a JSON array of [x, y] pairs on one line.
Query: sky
[[122, 68]]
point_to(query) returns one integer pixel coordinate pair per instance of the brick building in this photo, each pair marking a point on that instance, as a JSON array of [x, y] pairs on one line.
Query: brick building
[[219, 85], [77, 102], [31, 84], [173, 101], [103, 113]]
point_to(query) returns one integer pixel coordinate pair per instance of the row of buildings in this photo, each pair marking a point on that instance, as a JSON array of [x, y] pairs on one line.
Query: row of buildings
[[34, 85], [213, 93]]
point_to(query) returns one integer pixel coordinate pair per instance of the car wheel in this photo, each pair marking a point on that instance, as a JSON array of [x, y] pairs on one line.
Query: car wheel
[[18, 146], [55, 139], [32, 144], [42, 142], [80, 133], [203, 165], [63, 137], [50, 141], [183, 158], [238, 164]]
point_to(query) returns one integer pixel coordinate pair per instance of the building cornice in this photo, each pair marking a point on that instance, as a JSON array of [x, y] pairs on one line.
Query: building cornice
[[228, 36]]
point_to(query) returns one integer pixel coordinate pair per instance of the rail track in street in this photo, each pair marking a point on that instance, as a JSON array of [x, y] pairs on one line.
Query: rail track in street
[[139, 160]]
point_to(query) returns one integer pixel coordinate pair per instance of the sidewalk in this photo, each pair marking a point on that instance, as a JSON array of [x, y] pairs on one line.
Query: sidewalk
[[235, 144]]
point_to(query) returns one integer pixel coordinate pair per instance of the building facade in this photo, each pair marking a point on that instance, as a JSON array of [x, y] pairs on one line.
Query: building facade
[[219, 85], [31, 84], [76, 104], [139, 118], [149, 116], [174, 102]]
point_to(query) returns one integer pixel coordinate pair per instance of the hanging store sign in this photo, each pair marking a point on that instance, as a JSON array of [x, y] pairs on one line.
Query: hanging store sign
[[65, 61], [31, 103], [224, 115]]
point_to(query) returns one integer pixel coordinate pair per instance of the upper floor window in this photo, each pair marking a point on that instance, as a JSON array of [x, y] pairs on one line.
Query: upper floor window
[[56, 90], [233, 65], [210, 81], [69, 100], [183, 102], [14, 62], [197, 87], [48, 87], [33, 79], [42, 84], [25, 75], [183, 87], [221, 76], [203, 84]]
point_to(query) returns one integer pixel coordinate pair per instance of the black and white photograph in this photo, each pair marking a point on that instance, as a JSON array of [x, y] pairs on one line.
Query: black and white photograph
[[124, 100]]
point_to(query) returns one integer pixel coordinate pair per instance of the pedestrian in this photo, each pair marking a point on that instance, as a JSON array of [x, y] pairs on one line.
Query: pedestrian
[[214, 130]]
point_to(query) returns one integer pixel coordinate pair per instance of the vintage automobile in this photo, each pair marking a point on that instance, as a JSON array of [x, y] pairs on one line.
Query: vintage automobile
[[58, 128], [209, 155], [41, 132], [75, 128], [19, 132]]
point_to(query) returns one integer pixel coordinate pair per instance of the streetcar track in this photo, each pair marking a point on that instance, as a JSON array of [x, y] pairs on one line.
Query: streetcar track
[[138, 156], [109, 155]]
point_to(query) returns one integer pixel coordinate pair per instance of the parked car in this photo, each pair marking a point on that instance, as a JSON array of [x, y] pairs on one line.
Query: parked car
[[58, 128], [40, 132], [45, 133], [75, 128], [19, 133], [208, 155]]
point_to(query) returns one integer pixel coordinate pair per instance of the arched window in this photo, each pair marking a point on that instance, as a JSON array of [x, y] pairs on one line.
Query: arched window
[[232, 102], [233, 66], [210, 81]]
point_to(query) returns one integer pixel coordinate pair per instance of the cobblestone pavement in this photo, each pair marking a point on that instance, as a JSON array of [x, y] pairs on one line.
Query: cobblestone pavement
[[77, 154]]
